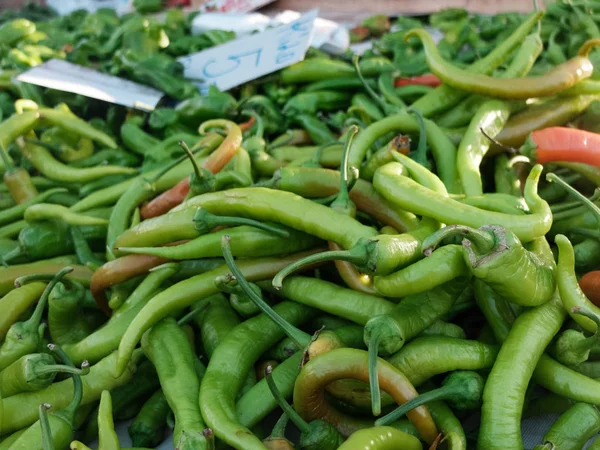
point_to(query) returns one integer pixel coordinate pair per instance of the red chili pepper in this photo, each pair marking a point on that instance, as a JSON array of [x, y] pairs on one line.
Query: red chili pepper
[[424, 80], [563, 144], [215, 162], [247, 125], [590, 285]]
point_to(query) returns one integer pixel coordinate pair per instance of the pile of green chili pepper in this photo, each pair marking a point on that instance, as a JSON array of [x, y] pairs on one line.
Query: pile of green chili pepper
[[397, 251]]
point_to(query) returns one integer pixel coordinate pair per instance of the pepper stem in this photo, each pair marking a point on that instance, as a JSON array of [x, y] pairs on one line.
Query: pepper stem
[[34, 321], [342, 201], [210, 438], [421, 153], [483, 241], [368, 88], [437, 394], [190, 156], [205, 221], [315, 160], [575, 193], [510, 150], [374, 340], [357, 255], [300, 338], [61, 368], [47, 441], [179, 160], [71, 409], [281, 424], [283, 404], [193, 313], [568, 206]]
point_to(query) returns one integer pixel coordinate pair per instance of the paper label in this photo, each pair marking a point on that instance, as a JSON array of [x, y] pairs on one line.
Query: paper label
[[238, 6], [64, 76], [235, 62]]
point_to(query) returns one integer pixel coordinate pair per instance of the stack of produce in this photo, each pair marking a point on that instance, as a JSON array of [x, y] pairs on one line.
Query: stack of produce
[[400, 251]]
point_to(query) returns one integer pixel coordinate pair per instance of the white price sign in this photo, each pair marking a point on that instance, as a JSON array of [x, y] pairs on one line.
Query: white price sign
[[247, 58], [64, 76]]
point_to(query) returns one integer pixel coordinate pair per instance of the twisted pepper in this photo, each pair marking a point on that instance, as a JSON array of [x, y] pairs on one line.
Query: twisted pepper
[[411, 196], [343, 363], [556, 80], [215, 162], [444, 97], [444, 151], [491, 250]]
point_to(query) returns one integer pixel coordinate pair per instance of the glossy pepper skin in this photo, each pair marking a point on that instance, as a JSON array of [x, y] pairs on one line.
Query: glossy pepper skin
[[309, 390], [169, 350], [408, 195], [558, 79], [523, 347], [573, 428], [495, 255]]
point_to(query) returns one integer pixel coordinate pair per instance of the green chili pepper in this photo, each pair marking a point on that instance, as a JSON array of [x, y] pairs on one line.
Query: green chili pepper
[[110, 195], [571, 347], [573, 428], [384, 155], [136, 139], [43, 161], [443, 265], [46, 211], [16, 212], [570, 292], [397, 190], [442, 148], [168, 348], [311, 102], [25, 337], [492, 249], [444, 97], [524, 345], [389, 332], [105, 339], [16, 302], [381, 438], [59, 428], [315, 69], [559, 79], [197, 109], [67, 321], [58, 394], [50, 238], [34, 372], [261, 333], [317, 129], [148, 427], [488, 120]]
